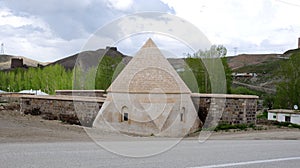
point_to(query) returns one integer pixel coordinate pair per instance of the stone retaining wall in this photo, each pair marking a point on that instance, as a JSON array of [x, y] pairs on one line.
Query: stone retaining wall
[[70, 109], [237, 109], [10, 97]]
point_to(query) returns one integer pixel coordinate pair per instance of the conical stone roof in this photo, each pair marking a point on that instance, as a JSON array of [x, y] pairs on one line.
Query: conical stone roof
[[148, 72]]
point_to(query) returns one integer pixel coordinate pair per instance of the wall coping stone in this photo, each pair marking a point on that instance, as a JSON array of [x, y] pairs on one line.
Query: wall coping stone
[[80, 91], [233, 96], [284, 111], [14, 94], [67, 98]]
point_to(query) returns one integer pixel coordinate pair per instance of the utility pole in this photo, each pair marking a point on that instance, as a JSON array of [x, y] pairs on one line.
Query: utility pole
[[2, 49], [235, 50]]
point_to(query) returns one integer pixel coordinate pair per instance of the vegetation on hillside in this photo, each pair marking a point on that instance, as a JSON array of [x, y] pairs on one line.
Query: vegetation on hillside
[[98, 77]]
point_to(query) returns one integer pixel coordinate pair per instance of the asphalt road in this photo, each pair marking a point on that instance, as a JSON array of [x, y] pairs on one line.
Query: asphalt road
[[188, 153]]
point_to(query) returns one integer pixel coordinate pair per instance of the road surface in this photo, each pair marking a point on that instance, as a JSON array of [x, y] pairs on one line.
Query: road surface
[[188, 153]]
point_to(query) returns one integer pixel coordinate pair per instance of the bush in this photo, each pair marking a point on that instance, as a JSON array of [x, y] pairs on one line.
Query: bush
[[287, 124], [226, 126], [264, 115]]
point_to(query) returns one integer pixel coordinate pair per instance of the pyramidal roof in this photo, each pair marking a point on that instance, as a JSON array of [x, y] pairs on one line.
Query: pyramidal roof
[[148, 72]]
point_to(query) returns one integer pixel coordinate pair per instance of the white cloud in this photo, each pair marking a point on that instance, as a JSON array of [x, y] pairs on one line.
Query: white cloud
[[32, 36], [244, 24], [52, 29], [47, 31], [120, 4]]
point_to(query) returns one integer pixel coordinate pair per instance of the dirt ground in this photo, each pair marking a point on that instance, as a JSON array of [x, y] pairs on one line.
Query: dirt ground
[[15, 127]]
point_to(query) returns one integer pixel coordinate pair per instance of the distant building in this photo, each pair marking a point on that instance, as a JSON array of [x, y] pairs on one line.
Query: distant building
[[299, 42], [16, 63], [284, 115], [244, 75]]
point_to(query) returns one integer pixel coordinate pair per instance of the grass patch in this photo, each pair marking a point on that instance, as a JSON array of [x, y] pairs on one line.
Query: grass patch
[[243, 90], [287, 124], [226, 127]]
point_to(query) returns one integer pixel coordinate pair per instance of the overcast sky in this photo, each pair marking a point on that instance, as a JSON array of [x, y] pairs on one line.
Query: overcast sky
[[47, 30]]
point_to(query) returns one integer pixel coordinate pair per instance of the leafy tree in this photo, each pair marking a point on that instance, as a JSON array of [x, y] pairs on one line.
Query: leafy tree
[[287, 91], [207, 71], [105, 71], [215, 51], [199, 71], [228, 73]]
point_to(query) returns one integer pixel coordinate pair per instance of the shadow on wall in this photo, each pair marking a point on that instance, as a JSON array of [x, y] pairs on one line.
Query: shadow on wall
[[202, 114]]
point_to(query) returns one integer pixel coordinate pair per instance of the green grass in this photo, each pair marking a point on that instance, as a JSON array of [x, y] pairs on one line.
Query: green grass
[[225, 126], [244, 90], [287, 124]]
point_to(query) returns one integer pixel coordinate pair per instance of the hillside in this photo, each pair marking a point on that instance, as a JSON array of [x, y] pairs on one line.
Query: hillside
[[265, 66], [5, 61], [243, 60], [88, 58], [5, 58]]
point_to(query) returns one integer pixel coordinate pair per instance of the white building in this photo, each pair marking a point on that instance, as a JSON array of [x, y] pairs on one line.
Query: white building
[[283, 115]]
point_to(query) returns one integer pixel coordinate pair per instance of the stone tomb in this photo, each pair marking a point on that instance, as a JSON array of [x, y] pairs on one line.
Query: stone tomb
[[148, 98]]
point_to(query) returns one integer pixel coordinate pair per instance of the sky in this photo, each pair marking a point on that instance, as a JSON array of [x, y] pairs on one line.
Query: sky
[[49, 30]]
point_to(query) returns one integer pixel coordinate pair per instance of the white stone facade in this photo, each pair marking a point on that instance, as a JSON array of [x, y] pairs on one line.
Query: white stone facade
[[148, 98]]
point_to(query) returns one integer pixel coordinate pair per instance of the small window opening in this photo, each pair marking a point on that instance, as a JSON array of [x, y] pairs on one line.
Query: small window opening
[[182, 114], [124, 114], [125, 117], [274, 116]]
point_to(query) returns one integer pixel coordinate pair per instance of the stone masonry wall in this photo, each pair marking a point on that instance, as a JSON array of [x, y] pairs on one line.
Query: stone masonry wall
[[74, 110], [237, 109], [10, 97]]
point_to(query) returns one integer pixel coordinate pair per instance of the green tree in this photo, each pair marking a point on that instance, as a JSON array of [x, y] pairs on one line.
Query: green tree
[[228, 73], [196, 66], [211, 77], [287, 91], [106, 70], [215, 51]]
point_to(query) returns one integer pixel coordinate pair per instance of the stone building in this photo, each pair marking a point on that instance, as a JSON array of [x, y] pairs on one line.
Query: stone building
[[148, 98], [16, 63]]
